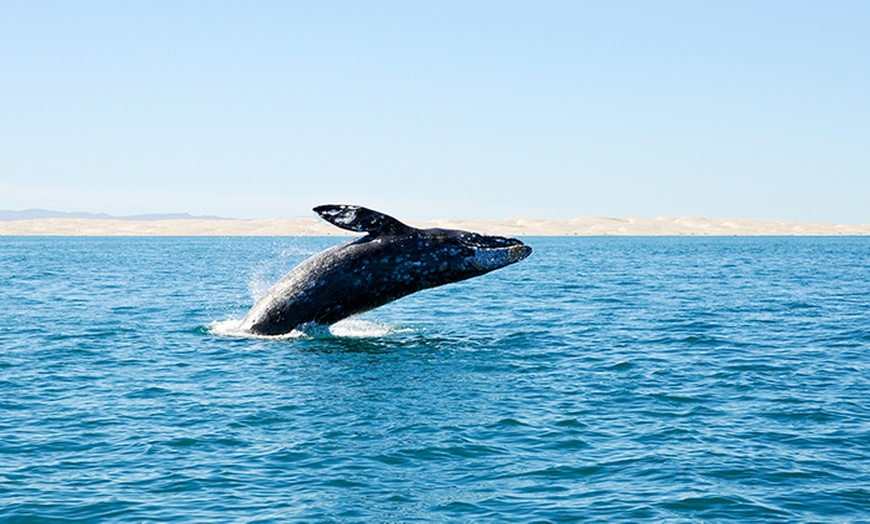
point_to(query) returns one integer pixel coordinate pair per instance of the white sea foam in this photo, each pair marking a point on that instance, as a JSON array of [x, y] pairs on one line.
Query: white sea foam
[[358, 328], [349, 328]]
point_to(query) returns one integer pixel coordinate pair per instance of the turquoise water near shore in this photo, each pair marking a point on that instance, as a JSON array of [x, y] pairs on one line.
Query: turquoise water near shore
[[610, 379]]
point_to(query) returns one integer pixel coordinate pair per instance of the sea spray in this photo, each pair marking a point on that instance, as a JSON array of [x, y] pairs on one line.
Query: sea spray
[[270, 269]]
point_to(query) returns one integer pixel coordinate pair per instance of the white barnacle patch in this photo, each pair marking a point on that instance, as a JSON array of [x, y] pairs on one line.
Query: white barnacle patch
[[346, 217], [485, 259]]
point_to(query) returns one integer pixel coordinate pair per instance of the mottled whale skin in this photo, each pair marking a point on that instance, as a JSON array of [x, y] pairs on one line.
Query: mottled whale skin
[[392, 260]]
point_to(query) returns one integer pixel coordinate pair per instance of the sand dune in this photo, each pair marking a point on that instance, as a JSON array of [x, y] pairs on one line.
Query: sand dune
[[582, 226]]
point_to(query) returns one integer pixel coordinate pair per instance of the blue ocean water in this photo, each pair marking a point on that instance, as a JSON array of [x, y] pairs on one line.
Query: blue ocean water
[[609, 379]]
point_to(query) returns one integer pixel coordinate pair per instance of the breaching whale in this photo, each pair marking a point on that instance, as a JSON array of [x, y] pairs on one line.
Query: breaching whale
[[391, 261]]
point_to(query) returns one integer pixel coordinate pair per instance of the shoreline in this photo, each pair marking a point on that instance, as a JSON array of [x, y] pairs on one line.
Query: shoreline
[[582, 226]]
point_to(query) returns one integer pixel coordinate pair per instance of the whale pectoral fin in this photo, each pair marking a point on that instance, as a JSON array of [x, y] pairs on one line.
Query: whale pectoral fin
[[361, 219]]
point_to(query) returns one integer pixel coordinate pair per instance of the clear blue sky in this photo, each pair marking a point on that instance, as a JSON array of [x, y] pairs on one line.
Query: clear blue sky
[[472, 109]]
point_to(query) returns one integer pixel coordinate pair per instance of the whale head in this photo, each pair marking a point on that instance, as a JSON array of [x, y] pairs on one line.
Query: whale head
[[492, 252], [459, 255]]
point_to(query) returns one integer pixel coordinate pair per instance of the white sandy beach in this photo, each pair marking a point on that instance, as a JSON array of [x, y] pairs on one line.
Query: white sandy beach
[[310, 226]]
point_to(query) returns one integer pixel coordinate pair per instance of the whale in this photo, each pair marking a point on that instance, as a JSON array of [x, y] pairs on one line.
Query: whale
[[390, 261]]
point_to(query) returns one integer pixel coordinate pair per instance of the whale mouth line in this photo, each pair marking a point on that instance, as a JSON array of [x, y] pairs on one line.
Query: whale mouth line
[[479, 241]]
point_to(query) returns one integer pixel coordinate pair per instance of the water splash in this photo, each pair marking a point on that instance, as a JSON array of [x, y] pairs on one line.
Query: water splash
[[233, 328], [266, 273], [349, 328], [359, 328]]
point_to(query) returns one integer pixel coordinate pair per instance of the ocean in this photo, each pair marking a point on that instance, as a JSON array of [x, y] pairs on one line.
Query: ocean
[[602, 379]]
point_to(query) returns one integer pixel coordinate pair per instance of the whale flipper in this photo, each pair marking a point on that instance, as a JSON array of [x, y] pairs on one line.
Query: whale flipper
[[361, 219]]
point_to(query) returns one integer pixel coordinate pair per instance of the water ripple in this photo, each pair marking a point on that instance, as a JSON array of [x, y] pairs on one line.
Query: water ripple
[[602, 379]]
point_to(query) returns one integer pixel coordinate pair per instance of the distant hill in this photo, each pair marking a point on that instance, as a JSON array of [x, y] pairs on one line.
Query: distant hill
[[35, 214]]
